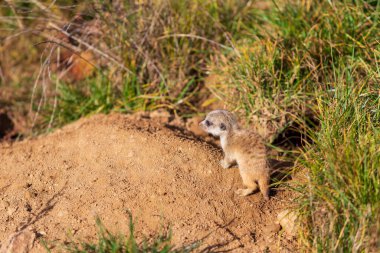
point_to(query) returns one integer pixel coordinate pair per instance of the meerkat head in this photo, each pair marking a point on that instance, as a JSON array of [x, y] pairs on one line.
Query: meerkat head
[[219, 122]]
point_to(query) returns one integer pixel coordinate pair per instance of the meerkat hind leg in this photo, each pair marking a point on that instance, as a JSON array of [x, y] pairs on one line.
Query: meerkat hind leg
[[251, 188]]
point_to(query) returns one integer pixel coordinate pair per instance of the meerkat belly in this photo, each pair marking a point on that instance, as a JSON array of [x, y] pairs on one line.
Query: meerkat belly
[[251, 165]]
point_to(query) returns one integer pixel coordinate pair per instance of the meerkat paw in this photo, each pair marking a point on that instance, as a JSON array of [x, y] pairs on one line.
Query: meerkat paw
[[224, 164], [244, 192]]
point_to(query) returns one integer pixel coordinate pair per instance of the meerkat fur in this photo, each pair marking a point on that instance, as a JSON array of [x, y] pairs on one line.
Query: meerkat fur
[[243, 147]]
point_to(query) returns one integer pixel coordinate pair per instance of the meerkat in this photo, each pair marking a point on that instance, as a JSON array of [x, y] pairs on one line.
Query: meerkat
[[243, 147]]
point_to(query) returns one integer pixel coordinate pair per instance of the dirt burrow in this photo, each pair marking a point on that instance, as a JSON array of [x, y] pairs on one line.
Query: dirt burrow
[[108, 166], [6, 124]]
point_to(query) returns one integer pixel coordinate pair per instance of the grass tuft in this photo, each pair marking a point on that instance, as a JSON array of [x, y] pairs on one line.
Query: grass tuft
[[108, 242], [341, 207]]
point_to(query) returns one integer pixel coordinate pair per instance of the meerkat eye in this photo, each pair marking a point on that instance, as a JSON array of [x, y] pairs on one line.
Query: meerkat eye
[[208, 123], [223, 126]]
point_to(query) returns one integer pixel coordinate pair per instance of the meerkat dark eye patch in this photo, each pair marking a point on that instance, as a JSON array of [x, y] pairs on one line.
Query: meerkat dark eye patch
[[222, 127], [208, 123]]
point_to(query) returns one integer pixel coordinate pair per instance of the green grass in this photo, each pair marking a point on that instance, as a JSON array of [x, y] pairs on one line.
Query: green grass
[[108, 242], [157, 51], [341, 206], [277, 72], [98, 95]]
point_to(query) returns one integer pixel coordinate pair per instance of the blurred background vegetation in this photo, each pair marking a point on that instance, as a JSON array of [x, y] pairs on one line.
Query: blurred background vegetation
[[305, 70]]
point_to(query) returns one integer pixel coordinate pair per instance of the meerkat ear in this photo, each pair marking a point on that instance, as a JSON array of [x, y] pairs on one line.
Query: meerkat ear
[[223, 126]]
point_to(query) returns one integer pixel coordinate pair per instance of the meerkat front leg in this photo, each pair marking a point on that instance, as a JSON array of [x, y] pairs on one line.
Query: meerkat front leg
[[227, 161]]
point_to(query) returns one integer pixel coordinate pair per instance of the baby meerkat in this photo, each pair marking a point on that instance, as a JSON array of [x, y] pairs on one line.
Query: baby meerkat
[[243, 147]]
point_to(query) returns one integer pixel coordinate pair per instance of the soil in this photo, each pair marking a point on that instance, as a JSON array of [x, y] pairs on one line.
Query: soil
[[112, 165]]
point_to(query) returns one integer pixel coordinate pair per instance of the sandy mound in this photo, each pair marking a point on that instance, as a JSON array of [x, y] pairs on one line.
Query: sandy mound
[[55, 185]]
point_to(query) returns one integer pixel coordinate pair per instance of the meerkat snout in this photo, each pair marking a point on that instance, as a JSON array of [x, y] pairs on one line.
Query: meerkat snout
[[240, 146]]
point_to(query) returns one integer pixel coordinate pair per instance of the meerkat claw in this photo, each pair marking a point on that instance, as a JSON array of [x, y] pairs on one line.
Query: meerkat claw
[[224, 164]]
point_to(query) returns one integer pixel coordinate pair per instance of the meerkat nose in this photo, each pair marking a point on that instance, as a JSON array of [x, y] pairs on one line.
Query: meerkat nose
[[200, 123]]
